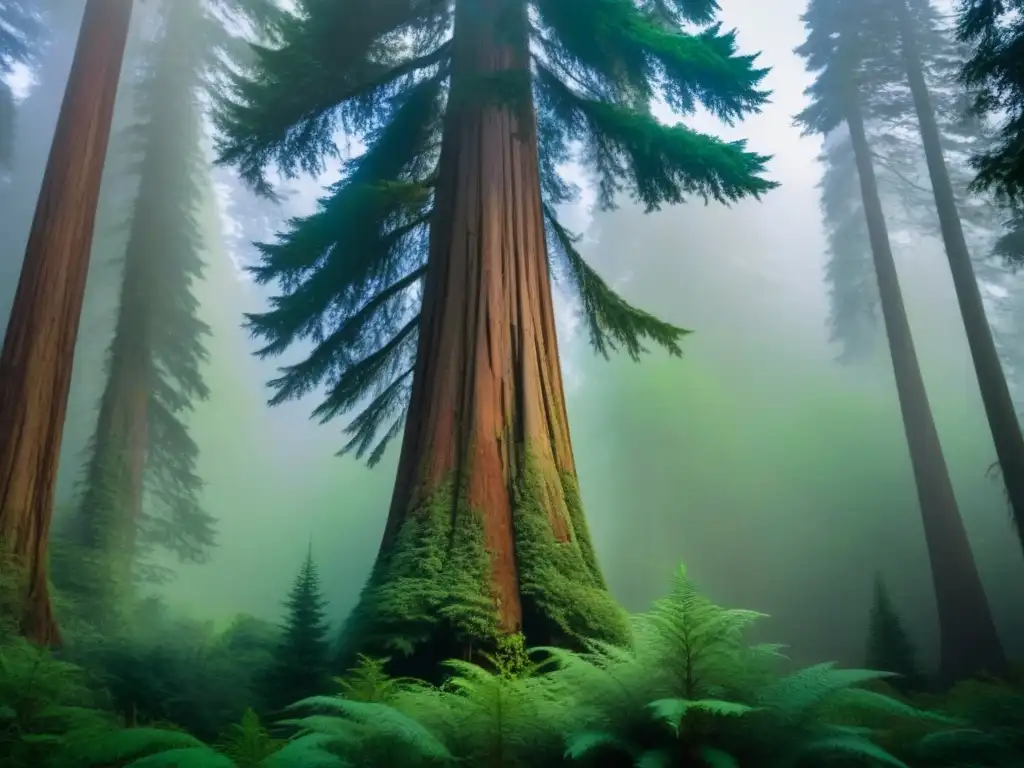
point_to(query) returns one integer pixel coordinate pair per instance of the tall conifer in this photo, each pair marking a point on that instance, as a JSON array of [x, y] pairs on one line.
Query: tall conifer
[[301, 663], [423, 278], [996, 30], [140, 487], [21, 35], [843, 46], [889, 647]]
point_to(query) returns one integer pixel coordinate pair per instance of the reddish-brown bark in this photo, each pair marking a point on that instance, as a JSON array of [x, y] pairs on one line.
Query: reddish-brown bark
[[487, 385], [35, 366]]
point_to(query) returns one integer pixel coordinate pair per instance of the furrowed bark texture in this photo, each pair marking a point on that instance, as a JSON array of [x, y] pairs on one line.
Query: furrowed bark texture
[[35, 366], [968, 641], [995, 392], [487, 416]]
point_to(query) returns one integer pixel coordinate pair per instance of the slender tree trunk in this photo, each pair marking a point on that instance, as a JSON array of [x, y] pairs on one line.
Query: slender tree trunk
[[995, 393], [486, 448], [35, 366], [968, 641], [107, 520]]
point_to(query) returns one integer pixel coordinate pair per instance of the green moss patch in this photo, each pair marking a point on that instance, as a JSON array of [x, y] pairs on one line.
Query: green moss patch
[[436, 577], [560, 583]]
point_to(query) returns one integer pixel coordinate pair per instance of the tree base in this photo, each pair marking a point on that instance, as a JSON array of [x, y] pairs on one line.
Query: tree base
[[429, 597]]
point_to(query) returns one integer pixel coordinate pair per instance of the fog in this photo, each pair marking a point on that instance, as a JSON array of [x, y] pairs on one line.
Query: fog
[[779, 477]]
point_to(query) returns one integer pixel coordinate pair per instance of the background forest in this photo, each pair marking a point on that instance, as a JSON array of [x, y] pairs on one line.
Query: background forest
[[771, 459]]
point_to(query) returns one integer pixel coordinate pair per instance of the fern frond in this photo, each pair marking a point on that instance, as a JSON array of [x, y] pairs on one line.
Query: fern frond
[[672, 711], [794, 695], [135, 743], [583, 744], [188, 757], [852, 746]]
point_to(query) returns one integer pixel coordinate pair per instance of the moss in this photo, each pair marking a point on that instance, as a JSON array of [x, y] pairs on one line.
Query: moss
[[561, 586], [433, 589], [436, 579]]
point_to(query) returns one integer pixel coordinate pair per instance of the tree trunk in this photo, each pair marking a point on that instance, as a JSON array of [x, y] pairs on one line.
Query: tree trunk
[[995, 393], [968, 641], [35, 366], [107, 521], [485, 528]]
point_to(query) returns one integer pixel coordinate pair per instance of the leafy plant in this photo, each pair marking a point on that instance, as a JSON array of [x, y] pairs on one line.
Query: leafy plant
[[44, 705]]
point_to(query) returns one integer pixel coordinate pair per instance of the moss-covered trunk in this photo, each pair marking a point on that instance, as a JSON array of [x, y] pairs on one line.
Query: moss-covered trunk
[[35, 366], [485, 534], [968, 641]]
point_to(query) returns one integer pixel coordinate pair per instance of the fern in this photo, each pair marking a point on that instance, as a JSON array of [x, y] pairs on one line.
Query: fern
[[248, 743], [368, 733]]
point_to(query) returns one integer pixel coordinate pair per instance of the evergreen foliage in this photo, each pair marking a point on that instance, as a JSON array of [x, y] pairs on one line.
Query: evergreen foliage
[[889, 647], [21, 35], [891, 125], [996, 29], [301, 661], [350, 274], [691, 691], [155, 360]]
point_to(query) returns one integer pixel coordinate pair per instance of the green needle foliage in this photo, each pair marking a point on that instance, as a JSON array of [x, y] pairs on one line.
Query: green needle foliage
[[155, 360], [996, 29], [889, 647], [301, 661], [21, 37], [350, 275], [891, 124]]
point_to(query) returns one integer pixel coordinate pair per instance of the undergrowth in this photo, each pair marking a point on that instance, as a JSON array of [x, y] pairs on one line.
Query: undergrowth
[[689, 691]]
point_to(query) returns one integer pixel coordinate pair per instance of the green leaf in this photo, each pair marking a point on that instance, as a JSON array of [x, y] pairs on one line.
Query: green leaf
[[655, 758], [579, 745], [672, 711], [853, 746], [189, 757], [716, 758]]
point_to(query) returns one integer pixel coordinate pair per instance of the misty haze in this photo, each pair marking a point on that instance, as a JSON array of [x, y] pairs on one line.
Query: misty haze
[[283, 414]]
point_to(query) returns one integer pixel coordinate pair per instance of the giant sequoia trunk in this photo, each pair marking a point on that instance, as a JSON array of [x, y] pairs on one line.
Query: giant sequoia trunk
[[968, 641], [485, 534], [995, 393], [35, 366]]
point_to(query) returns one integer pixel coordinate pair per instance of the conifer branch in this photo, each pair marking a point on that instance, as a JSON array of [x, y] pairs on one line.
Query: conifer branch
[[611, 321], [660, 164], [392, 403], [292, 125], [360, 378]]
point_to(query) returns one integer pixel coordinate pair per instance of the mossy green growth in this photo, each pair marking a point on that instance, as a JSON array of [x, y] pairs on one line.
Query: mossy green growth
[[560, 582], [436, 577], [435, 582]]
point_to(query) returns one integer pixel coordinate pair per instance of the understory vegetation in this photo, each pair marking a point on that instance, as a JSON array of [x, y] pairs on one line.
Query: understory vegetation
[[688, 691]]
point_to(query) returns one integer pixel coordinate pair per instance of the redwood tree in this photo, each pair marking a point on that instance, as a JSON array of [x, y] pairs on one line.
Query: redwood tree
[[423, 278], [840, 45], [995, 392], [154, 359], [39, 345], [141, 488]]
